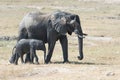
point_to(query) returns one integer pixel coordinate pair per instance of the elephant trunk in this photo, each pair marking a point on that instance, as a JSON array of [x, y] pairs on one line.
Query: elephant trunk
[[78, 30], [80, 42]]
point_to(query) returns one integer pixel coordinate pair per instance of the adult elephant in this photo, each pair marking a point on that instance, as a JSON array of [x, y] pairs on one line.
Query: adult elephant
[[50, 28]]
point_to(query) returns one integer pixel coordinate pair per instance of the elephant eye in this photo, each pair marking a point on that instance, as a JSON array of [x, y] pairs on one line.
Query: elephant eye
[[63, 20], [68, 20]]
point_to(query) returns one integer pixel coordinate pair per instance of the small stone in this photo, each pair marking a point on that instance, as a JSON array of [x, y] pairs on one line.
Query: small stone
[[110, 74]]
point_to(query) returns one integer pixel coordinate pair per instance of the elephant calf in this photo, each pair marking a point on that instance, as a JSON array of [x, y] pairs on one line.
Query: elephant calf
[[28, 46]]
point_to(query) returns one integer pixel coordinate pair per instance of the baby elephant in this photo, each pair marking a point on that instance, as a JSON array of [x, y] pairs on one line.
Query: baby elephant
[[28, 46]]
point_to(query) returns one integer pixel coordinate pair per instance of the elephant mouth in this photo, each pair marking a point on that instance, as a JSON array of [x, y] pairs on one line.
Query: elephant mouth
[[82, 36], [62, 30]]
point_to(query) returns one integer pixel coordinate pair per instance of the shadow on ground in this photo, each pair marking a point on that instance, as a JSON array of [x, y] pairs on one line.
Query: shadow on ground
[[80, 63]]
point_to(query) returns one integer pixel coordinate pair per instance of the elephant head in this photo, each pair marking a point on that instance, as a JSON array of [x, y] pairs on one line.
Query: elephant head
[[67, 23], [74, 25]]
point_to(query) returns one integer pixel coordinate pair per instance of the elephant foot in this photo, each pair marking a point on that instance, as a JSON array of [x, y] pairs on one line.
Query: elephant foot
[[46, 62], [11, 61], [16, 63], [23, 62], [27, 61], [66, 61], [37, 63]]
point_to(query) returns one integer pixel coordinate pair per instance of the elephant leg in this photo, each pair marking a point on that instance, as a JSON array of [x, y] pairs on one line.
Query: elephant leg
[[27, 58], [16, 60], [50, 51], [32, 52], [22, 61], [64, 45], [44, 55], [32, 58], [32, 55], [36, 58]]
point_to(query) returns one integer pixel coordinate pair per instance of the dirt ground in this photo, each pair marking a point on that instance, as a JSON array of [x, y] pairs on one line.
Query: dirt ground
[[100, 19], [60, 72]]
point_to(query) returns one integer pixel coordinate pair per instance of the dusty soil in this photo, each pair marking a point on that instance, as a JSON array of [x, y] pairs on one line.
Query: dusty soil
[[60, 72], [99, 19]]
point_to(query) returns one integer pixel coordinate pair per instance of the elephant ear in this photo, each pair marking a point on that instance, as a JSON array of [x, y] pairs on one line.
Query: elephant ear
[[71, 27], [58, 23], [75, 17]]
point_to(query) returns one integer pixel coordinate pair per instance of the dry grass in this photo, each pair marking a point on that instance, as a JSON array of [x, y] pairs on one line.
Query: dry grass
[[101, 57]]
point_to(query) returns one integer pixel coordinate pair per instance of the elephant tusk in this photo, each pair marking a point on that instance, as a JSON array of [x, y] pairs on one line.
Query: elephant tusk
[[85, 34], [81, 36]]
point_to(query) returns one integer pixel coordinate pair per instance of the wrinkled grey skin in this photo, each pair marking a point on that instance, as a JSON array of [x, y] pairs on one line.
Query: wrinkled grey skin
[[28, 46], [52, 27]]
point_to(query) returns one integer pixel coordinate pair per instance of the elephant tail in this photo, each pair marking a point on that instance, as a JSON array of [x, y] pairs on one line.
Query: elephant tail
[[13, 58], [44, 49], [22, 34], [13, 49]]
